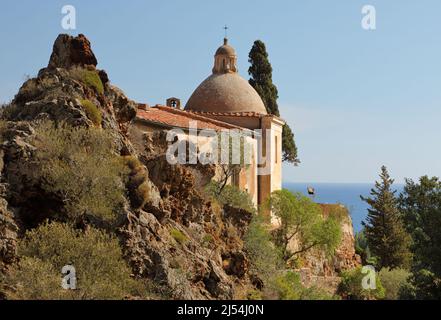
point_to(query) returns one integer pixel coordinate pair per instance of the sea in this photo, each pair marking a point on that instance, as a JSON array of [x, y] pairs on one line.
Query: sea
[[347, 194]]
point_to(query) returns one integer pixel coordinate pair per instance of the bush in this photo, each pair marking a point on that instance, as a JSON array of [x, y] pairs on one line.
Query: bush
[[178, 236], [8, 111], [230, 195], [289, 287], [265, 258], [89, 77], [80, 166], [92, 111], [394, 282], [100, 269], [351, 288]]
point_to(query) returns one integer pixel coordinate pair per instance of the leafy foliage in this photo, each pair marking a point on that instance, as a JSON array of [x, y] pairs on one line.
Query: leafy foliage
[[264, 256], [89, 77], [384, 229], [393, 282], [362, 249], [92, 111], [420, 203], [100, 269], [78, 165], [302, 219], [178, 236], [351, 287], [261, 80], [289, 287]]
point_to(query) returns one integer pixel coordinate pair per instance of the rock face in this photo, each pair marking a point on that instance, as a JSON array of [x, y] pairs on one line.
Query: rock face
[[8, 235], [68, 51], [175, 237], [212, 252]]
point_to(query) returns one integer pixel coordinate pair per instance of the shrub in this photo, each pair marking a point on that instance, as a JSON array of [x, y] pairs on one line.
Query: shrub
[[230, 195], [265, 258], [289, 287], [178, 236], [394, 282], [8, 111], [80, 166], [92, 111], [351, 288], [89, 77], [29, 90], [100, 269]]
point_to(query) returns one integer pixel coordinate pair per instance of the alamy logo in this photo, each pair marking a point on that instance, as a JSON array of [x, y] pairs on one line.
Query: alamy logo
[[369, 20], [69, 21], [69, 281], [225, 147], [369, 281]]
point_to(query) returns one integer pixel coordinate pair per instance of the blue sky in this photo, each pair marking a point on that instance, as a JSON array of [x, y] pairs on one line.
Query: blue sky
[[355, 99]]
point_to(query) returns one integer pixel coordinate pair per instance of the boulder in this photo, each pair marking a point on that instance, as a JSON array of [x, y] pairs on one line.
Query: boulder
[[69, 51]]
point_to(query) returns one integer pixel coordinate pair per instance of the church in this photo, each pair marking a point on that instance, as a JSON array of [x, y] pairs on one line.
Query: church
[[226, 101]]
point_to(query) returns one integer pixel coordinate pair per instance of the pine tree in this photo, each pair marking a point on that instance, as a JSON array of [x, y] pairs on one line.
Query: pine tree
[[387, 238], [261, 80]]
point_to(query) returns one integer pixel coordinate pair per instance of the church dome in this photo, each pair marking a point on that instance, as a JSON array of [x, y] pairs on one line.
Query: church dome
[[225, 90]]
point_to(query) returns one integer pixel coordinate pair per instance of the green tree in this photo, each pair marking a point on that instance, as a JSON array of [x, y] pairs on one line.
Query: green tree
[[420, 203], [302, 219], [387, 238], [261, 80]]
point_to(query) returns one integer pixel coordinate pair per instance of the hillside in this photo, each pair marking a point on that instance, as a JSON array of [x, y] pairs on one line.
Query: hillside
[[70, 163]]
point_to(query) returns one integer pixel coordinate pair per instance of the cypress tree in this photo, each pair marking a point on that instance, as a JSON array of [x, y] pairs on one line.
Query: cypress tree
[[385, 233], [261, 80]]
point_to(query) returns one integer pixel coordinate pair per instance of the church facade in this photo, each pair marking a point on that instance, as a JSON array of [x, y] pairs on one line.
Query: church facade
[[226, 101]]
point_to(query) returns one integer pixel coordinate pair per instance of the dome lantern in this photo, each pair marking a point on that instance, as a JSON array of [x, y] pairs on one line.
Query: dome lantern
[[225, 59]]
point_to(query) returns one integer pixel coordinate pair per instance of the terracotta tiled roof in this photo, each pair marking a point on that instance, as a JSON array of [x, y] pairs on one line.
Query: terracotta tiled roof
[[171, 117]]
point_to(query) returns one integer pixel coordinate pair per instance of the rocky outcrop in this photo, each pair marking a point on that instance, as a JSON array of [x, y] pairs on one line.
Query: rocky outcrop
[[170, 234], [68, 51], [196, 249]]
